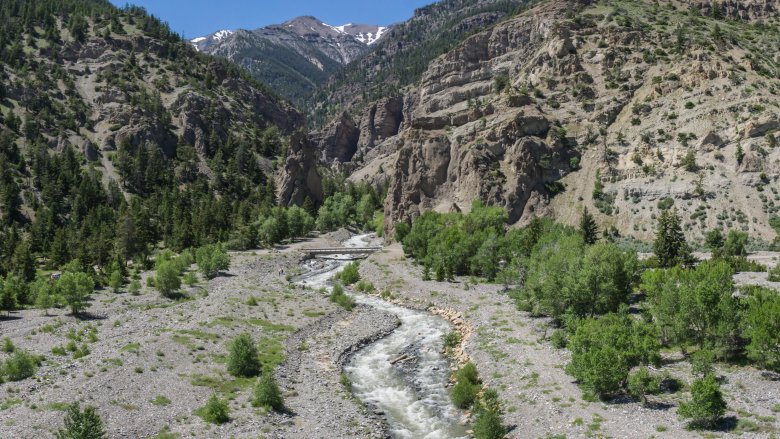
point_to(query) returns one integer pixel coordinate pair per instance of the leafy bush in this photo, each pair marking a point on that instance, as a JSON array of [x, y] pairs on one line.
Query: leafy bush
[[706, 406], [605, 349], [215, 411], [642, 383], [8, 345], [19, 366], [565, 276], [135, 287], [451, 340], [774, 274], [742, 264], [464, 392], [457, 244], [488, 425], [337, 211], [166, 279], [350, 274], [695, 306], [701, 362], [82, 424], [76, 288], [559, 339], [212, 259], [190, 279], [340, 298], [365, 286], [761, 325], [736, 244], [242, 359], [267, 393]]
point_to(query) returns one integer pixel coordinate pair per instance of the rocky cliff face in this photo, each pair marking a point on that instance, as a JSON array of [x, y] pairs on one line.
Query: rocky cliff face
[[293, 57], [346, 139], [299, 179], [401, 56], [740, 9], [531, 113]]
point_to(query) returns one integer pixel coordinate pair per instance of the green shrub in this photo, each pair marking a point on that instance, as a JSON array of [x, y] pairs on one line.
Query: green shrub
[[464, 394], [642, 383], [8, 345], [761, 325], [212, 259], [82, 425], [701, 362], [340, 298], [706, 406], [566, 277], [76, 289], [468, 373], [242, 359], [166, 279], [135, 287], [451, 340], [774, 274], [559, 339], [19, 366], [605, 349], [365, 286], [267, 393], [115, 282], [665, 203], [350, 274], [215, 411], [190, 279], [488, 425]]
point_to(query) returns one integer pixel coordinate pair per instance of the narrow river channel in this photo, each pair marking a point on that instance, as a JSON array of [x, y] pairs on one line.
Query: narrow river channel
[[411, 395]]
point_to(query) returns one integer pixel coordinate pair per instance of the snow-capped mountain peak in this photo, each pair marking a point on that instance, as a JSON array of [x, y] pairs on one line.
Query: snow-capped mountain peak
[[209, 40]]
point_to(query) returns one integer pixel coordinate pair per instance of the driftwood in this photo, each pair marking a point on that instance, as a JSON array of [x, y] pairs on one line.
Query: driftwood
[[404, 357]]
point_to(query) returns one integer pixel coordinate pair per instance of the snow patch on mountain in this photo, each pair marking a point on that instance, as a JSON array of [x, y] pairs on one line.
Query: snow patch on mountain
[[211, 39], [370, 38], [221, 35]]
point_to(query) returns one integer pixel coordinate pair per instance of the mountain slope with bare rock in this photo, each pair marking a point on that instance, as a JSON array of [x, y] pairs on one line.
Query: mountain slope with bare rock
[[624, 108]]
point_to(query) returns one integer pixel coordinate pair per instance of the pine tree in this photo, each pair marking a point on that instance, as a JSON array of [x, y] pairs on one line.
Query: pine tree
[[740, 154], [588, 228], [7, 297], [670, 246], [242, 359], [82, 425]]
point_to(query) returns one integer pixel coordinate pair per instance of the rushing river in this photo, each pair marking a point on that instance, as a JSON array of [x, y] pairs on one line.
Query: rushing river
[[412, 395]]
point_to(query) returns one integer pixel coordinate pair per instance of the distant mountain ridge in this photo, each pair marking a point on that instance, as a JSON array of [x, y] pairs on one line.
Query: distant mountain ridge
[[296, 56]]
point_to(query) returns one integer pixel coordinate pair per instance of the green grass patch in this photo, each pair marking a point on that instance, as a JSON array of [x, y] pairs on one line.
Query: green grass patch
[[268, 326], [161, 400], [271, 352], [131, 347], [9, 402], [227, 387]]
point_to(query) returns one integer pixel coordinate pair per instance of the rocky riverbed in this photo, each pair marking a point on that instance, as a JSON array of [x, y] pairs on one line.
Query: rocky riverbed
[[152, 362]]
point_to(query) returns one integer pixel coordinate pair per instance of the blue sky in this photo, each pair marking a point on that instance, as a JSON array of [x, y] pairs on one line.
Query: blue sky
[[194, 18]]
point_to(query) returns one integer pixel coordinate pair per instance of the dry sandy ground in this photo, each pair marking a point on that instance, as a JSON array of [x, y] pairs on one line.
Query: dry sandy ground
[[153, 362], [513, 355]]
